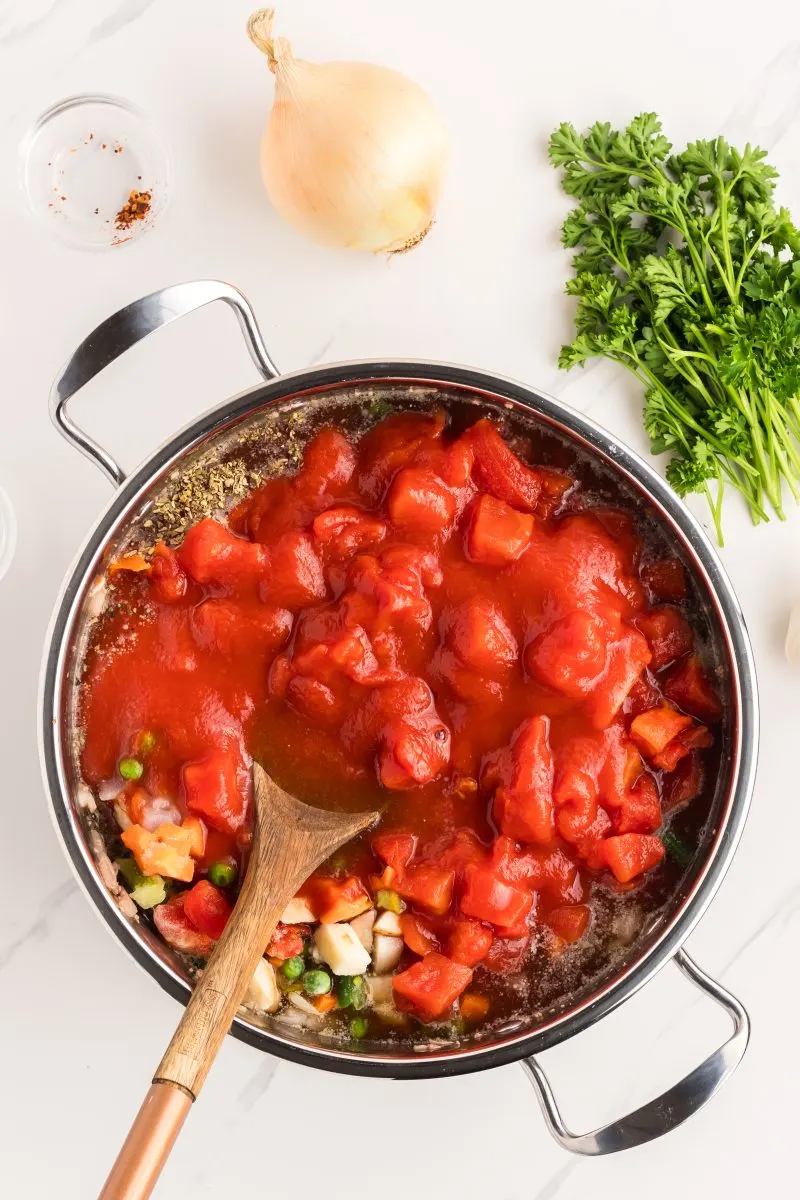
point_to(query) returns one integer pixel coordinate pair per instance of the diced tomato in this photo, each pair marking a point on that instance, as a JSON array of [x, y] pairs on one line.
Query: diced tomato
[[590, 847], [576, 787], [207, 908], [223, 627], [497, 533], [462, 850], [338, 899], [474, 1006], [626, 660], [418, 935], [644, 694], [500, 471], [621, 765], [555, 485], [347, 530], [429, 987], [164, 851], [655, 729], [688, 686], [571, 654], [315, 700], [420, 502], [507, 955], [296, 578], [666, 580], [410, 756], [210, 553], [570, 921], [468, 942], [396, 849], [684, 784], [575, 818], [428, 886], [631, 854], [524, 807], [535, 869], [178, 931], [288, 941], [394, 443], [212, 789], [641, 809], [167, 578], [478, 634], [490, 899], [329, 461], [669, 635], [696, 738], [452, 463]]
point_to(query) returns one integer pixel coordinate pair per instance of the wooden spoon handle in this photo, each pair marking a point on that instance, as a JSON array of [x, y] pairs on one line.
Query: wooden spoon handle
[[146, 1148], [290, 841]]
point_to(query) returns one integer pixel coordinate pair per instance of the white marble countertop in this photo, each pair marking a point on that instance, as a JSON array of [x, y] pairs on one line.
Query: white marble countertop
[[82, 1027]]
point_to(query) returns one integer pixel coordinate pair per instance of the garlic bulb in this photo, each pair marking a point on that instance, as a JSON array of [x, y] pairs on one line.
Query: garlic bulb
[[353, 155], [792, 645]]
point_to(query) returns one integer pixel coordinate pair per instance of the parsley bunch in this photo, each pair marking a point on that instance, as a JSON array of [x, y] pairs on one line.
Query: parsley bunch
[[687, 274]]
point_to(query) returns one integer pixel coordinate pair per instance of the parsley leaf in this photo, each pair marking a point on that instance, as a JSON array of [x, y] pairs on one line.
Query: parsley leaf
[[688, 276]]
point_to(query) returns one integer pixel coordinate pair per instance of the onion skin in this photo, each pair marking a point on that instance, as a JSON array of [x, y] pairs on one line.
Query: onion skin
[[353, 155]]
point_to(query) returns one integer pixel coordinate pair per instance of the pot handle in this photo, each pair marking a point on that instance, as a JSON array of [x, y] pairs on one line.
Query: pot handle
[[127, 327], [668, 1110]]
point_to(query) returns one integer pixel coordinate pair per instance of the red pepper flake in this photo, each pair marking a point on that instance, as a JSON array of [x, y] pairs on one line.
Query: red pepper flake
[[136, 208]]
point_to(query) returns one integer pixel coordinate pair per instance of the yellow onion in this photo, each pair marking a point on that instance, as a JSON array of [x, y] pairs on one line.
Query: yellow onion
[[353, 155]]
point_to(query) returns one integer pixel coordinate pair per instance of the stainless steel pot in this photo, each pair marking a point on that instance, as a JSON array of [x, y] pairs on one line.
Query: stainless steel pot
[[659, 942]]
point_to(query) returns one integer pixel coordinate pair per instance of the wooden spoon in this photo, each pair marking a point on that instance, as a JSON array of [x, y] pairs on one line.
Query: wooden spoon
[[290, 841]]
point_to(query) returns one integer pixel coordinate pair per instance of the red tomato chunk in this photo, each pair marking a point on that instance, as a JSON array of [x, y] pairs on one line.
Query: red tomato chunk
[[431, 986], [497, 533], [207, 908], [417, 615]]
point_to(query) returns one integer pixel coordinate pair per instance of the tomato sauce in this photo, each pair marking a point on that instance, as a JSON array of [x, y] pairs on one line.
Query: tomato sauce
[[421, 617]]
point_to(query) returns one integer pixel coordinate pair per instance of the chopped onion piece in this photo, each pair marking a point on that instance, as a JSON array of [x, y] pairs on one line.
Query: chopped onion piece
[[363, 926], [380, 989], [262, 993], [300, 1002], [297, 912], [386, 953], [389, 923], [160, 811], [340, 948]]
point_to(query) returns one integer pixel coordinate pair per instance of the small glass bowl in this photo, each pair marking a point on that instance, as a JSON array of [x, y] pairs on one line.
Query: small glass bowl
[[87, 158]]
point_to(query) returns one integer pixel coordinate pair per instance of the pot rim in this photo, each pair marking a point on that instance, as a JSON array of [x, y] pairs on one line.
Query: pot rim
[[499, 390]]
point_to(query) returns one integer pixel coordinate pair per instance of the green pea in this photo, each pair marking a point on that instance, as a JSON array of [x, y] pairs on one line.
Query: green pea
[[358, 1028], [316, 983], [131, 768], [386, 898], [222, 874], [351, 992], [293, 967]]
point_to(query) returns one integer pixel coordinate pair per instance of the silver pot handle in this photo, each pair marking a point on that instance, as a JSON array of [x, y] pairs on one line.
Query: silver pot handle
[[668, 1110], [127, 327]]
